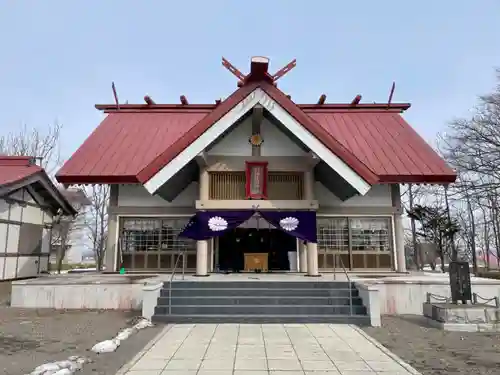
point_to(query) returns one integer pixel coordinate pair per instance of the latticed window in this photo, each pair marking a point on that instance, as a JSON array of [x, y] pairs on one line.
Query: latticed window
[[280, 185], [227, 185], [358, 242], [370, 234], [151, 243], [285, 185], [333, 242]]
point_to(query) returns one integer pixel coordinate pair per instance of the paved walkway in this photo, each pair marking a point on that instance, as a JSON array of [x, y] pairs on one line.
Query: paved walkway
[[255, 349]]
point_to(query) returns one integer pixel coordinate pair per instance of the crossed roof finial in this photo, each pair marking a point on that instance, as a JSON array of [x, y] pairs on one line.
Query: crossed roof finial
[[258, 70]]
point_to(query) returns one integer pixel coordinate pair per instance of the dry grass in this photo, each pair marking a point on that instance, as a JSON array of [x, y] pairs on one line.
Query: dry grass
[[435, 352]]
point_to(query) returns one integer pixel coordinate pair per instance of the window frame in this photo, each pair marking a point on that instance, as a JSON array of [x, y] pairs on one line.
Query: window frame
[[350, 260]]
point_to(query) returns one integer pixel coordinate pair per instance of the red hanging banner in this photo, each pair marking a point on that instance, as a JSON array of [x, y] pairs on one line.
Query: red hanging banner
[[256, 180]]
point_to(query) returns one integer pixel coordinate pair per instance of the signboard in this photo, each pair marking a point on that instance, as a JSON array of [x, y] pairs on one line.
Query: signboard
[[256, 180]]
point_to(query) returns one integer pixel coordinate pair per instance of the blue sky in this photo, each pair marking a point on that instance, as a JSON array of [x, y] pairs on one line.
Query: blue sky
[[59, 57]]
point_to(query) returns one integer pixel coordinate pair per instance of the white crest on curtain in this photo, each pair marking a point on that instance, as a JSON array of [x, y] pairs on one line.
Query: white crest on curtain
[[190, 222], [289, 223], [217, 224]]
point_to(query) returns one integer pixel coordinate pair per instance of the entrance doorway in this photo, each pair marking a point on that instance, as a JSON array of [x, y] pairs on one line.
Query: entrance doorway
[[234, 244]]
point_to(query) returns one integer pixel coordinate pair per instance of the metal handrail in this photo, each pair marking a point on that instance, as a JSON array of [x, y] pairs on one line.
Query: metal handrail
[[183, 254], [347, 276]]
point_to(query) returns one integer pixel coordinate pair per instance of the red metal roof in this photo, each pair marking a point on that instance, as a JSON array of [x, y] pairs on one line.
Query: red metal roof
[[124, 144], [387, 145], [16, 168], [131, 145]]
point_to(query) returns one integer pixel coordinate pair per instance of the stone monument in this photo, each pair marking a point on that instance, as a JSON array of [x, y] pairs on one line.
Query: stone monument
[[472, 314]]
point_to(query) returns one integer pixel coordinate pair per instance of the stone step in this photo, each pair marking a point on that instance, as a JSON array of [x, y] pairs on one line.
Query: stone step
[[279, 310], [258, 292], [361, 320], [262, 284], [260, 300]]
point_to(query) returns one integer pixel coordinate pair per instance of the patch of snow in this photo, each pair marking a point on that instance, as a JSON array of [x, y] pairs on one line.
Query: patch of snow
[[143, 323], [75, 363], [124, 334], [109, 346], [106, 346], [67, 367]]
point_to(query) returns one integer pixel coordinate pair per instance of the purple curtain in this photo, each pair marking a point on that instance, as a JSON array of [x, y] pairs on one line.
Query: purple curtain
[[300, 224], [208, 224]]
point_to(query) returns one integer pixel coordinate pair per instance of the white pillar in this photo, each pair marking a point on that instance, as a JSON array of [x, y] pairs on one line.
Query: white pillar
[[204, 184], [309, 185], [302, 256], [398, 228], [202, 246], [400, 243], [202, 258], [312, 248], [312, 259]]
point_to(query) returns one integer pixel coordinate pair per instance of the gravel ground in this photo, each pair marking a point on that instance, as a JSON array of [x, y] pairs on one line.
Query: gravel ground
[[29, 338], [435, 352]]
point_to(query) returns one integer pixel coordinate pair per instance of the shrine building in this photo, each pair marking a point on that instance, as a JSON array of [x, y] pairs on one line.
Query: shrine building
[[255, 181]]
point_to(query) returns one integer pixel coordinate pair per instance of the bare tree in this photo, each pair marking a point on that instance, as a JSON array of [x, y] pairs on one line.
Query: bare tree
[[97, 221], [41, 144], [61, 233], [472, 146]]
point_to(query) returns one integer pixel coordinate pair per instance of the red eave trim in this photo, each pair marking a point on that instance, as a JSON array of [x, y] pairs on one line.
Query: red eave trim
[[202, 126], [95, 179], [418, 179]]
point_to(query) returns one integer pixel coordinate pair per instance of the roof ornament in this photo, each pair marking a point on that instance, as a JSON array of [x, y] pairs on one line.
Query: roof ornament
[[356, 100], [280, 73], [148, 100], [258, 71], [391, 94], [184, 100], [113, 87]]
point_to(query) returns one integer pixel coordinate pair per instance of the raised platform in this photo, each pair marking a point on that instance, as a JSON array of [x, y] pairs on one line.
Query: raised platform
[[405, 294], [381, 293], [464, 318], [80, 291]]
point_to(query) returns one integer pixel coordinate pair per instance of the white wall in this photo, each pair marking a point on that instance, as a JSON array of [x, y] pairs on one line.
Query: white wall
[[377, 196], [276, 143], [137, 195], [236, 142], [23, 266]]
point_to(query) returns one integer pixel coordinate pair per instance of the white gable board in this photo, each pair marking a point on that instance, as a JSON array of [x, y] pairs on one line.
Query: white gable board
[[258, 96]]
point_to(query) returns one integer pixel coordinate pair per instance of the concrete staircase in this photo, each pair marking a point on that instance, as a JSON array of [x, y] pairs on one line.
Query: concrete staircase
[[260, 302]]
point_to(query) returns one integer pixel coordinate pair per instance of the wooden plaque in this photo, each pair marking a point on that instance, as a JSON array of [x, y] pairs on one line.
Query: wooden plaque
[[256, 261]]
